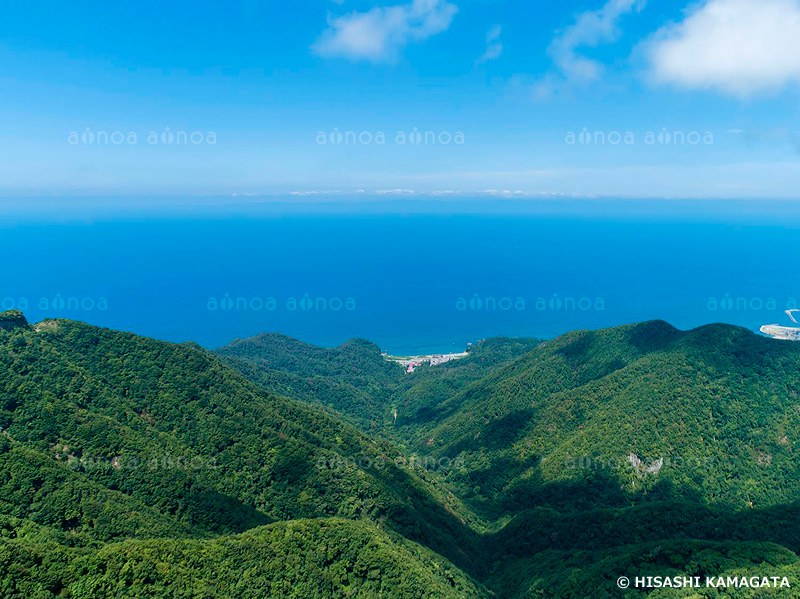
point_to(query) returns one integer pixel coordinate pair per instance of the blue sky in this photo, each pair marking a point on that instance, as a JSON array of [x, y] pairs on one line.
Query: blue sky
[[499, 91]]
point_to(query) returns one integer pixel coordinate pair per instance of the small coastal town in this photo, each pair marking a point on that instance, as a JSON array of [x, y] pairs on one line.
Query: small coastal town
[[781, 332], [778, 332], [411, 363]]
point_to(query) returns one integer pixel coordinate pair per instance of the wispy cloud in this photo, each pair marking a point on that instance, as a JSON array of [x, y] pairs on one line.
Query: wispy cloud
[[739, 47], [381, 34], [591, 28], [494, 47]]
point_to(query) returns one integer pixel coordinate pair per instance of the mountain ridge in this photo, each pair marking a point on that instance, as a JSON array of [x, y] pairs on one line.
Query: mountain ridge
[[551, 464]]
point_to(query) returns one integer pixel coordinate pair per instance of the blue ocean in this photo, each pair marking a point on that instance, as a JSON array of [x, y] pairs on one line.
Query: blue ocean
[[412, 276]]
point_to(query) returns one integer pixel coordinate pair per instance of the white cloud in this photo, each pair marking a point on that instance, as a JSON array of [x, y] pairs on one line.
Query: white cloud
[[494, 47], [591, 28], [739, 47], [380, 34]]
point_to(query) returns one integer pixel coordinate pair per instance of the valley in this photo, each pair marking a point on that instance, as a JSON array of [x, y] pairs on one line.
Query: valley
[[526, 468]]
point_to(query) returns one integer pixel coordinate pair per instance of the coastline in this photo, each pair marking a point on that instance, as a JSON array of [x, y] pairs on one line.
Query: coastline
[[411, 363]]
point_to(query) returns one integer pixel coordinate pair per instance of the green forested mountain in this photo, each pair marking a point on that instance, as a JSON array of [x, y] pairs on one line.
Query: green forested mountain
[[135, 468], [353, 380], [108, 436], [709, 415], [300, 559], [356, 382], [714, 410]]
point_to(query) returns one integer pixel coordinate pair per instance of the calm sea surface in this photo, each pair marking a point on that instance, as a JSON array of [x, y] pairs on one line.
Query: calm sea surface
[[410, 279]]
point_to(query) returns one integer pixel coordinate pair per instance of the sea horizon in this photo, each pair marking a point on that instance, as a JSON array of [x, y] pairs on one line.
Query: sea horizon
[[414, 280]]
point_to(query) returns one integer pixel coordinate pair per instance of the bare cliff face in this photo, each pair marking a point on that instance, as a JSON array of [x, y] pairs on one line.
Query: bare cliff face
[[12, 319]]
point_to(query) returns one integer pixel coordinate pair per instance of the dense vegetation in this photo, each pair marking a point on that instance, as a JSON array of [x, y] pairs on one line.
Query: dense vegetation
[[356, 382], [135, 468], [353, 380], [313, 559], [114, 436], [710, 415]]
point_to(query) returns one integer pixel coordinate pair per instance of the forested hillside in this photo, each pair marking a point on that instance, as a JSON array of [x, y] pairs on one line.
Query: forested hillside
[[108, 436], [300, 559], [710, 415], [353, 380], [131, 467], [356, 382]]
